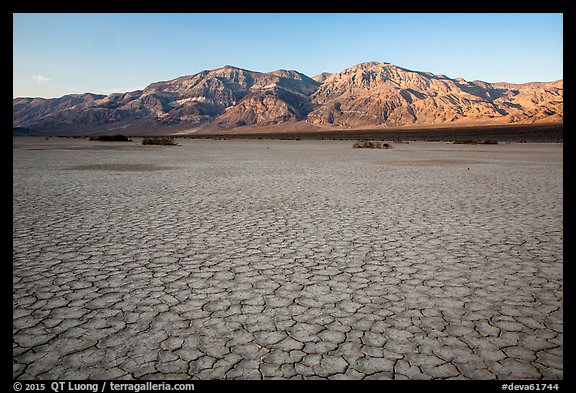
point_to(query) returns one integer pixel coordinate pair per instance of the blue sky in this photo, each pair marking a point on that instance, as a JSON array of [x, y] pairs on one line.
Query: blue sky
[[58, 54]]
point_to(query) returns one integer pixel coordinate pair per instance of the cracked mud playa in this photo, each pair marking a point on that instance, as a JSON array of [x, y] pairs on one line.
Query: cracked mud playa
[[286, 260]]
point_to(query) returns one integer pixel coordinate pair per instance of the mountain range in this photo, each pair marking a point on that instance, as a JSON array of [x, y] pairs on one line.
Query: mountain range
[[367, 95]]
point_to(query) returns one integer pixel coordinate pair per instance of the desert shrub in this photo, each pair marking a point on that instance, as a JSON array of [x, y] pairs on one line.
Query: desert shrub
[[110, 138], [363, 144], [159, 140], [476, 142], [360, 145]]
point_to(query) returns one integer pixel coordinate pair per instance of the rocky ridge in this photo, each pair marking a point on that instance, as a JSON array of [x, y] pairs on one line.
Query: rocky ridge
[[370, 94]]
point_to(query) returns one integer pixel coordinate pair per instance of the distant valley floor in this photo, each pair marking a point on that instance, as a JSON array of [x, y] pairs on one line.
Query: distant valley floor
[[542, 132]]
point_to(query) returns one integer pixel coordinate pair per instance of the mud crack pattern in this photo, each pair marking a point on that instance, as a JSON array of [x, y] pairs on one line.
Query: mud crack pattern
[[287, 260]]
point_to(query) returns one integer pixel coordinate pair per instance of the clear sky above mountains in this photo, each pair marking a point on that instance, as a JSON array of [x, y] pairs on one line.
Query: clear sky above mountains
[[58, 54]]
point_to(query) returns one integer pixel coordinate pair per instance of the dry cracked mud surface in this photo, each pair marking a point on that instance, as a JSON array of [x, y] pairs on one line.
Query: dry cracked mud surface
[[286, 260]]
